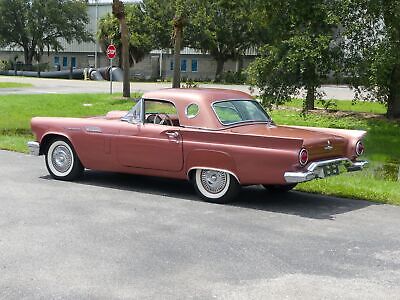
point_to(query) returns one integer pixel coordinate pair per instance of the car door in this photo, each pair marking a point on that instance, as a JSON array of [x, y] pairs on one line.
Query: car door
[[150, 146]]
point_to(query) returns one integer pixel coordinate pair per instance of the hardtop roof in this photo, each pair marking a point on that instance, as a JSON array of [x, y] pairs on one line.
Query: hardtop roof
[[196, 95]]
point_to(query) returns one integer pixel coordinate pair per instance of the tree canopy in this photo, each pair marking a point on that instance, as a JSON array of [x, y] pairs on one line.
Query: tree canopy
[[225, 29], [37, 25], [372, 44], [300, 49]]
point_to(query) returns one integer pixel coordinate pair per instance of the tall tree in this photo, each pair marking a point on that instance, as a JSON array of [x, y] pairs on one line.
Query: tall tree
[[179, 23], [168, 20], [372, 43], [301, 49], [37, 25], [119, 12]]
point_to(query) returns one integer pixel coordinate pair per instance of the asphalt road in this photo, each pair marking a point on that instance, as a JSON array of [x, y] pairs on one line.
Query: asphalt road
[[113, 236], [63, 86]]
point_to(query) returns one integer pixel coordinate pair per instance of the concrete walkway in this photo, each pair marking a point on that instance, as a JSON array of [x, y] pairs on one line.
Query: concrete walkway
[[63, 86]]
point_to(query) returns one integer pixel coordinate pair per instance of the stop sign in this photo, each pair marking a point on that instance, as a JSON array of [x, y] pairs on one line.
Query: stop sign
[[111, 51]]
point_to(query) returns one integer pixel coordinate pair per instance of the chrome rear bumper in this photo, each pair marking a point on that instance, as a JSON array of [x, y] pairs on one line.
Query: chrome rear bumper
[[34, 148], [317, 169]]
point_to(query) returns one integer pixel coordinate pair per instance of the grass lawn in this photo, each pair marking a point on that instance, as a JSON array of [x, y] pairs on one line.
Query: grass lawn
[[345, 105], [7, 85], [16, 112], [378, 183]]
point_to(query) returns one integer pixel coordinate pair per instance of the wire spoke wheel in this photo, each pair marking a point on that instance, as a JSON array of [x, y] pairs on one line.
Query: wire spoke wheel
[[214, 181], [215, 185], [61, 158], [62, 161]]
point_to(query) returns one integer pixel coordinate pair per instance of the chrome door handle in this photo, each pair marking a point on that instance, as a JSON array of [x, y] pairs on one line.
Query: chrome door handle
[[172, 134]]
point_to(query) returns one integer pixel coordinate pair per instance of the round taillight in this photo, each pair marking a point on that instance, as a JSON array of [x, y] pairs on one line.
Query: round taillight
[[303, 157], [359, 148]]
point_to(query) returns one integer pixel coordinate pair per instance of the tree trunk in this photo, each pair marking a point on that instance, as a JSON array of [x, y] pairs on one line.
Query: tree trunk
[[393, 108], [118, 10], [310, 98], [310, 79], [239, 64], [220, 69], [125, 58], [28, 55], [178, 33]]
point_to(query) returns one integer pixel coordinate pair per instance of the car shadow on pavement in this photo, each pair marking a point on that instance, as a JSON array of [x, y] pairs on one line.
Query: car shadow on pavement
[[252, 197]]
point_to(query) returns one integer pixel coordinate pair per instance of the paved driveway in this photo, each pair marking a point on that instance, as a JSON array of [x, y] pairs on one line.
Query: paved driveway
[[111, 236], [63, 86]]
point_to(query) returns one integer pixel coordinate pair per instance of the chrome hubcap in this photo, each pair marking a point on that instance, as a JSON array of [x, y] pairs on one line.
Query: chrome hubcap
[[213, 181], [61, 158]]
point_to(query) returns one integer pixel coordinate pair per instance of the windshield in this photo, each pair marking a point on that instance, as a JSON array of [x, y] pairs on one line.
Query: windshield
[[238, 111]]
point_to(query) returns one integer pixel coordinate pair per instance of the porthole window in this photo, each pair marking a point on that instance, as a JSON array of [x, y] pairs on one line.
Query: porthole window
[[192, 110]]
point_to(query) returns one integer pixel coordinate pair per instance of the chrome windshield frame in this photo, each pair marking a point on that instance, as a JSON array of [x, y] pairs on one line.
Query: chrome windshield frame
[[130, 119]]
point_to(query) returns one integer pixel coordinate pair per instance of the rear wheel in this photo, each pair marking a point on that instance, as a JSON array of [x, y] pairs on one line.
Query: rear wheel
[[279, 188], [215, 186], [62, 161]]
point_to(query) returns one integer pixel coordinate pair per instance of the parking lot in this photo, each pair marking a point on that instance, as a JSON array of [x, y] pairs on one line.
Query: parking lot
[[113, 236]]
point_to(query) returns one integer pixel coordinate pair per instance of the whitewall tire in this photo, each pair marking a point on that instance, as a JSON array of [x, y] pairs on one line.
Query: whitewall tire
[[215, 186], [62, 161]]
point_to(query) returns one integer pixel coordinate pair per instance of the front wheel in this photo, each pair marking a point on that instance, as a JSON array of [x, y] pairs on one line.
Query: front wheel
[[215, 186], [62, 161], [279, 188]]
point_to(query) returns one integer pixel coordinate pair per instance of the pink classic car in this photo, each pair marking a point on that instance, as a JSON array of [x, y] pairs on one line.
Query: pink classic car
[[218, 139]]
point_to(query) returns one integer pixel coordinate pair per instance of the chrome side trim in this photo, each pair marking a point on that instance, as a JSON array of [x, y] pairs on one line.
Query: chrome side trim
[[73, 128], [93, 129], [314, 170], [34, 148], [215, 169]]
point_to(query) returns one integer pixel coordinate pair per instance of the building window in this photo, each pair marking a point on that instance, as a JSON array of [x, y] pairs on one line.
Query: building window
[[56, 60], [194, 65], [73, 62], [65, 61], [171, 65], [183, 65]]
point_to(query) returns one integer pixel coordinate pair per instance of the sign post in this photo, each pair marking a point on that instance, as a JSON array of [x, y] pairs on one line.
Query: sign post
[[111, 53]]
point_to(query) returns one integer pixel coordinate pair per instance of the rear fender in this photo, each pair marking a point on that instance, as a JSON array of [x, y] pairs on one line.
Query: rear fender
[[353, 136], [210, 159]]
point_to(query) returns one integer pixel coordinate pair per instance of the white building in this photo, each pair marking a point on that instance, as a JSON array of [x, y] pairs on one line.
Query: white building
[[194, 64]]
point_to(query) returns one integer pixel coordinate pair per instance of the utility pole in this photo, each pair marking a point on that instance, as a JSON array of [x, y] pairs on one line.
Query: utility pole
[[118, 10]]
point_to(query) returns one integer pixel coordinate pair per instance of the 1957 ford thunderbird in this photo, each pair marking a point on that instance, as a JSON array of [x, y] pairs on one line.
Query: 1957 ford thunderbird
[[218, 139]]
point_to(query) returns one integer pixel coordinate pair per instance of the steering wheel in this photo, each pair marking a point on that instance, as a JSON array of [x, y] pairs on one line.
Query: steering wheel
[[163, 119]]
